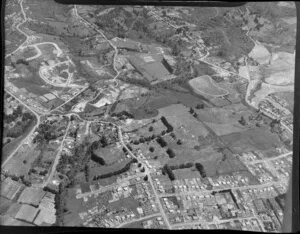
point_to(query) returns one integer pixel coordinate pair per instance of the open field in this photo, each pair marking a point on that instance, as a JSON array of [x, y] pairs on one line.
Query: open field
[[16, 164], [179, 117], [253, 139], [147, 106], [205, 85], [281, 71], [8, 148], [289, 98], [224, 120], [260, 54]]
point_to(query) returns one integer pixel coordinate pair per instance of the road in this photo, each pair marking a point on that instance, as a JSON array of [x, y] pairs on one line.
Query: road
[[18, 28], [56, 160], [191, 193], [29, 134], [140, 219], [270, 159], [103, 189], [102, 34], [149, 178], [81, 91], [213, 222]]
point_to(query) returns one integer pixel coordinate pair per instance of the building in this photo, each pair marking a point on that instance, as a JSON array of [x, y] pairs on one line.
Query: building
[[153, 67]]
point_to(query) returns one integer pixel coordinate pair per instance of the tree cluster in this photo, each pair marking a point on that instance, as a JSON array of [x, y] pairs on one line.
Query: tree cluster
[[167, 124], [114, 173], [171, 153], [97, 159], [182, 166], [167, 170], [161, 141], [201, 170]]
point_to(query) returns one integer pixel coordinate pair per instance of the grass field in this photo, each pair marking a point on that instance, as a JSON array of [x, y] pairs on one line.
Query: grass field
[[253, 139], [9, 148], [205, 85], [16, 164], [224, 120]]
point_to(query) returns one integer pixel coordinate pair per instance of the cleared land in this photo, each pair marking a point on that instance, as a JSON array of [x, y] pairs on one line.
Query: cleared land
[[205, 85], [260, 54], [281, 71], [224, 120], [253, 139], [289, 98]]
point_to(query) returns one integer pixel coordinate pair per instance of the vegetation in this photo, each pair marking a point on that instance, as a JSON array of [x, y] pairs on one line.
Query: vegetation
[[118, 172], [201, 170], [166, 123], [171, 153], [21, 122], [182, 166], [161, 141], [167, 170]]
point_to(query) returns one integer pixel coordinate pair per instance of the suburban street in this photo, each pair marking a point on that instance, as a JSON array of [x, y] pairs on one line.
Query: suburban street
[[149, 178], [139, 219]]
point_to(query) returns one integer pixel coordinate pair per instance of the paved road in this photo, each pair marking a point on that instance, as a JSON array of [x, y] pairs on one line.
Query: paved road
[[149, 178], [29, 134], [205, 192], [269, 159], [213, 222], [140, 219], [109, 187], [18, 28], [102, 34], [56, 160]]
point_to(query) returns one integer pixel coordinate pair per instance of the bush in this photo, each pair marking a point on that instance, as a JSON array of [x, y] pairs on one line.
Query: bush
[[166, 123], [161, 141], [171, 153], [167, 170], [201, 170]]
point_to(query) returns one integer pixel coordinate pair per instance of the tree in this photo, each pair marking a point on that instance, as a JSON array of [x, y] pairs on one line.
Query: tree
[[151, 149], [150, 129], [171, 153], [200, 106], [242, 121], [167, 170], [201, 170], [161, 141]]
